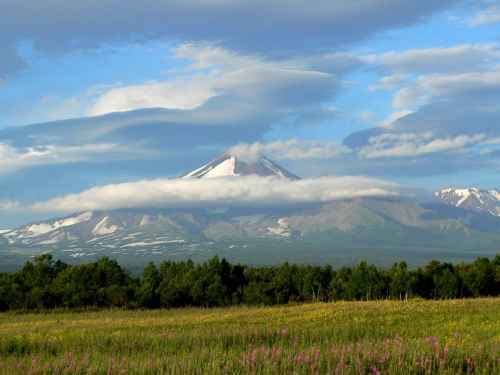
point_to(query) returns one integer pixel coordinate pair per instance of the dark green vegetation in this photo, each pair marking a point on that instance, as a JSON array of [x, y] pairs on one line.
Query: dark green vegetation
[[376, 337], [46, 283]]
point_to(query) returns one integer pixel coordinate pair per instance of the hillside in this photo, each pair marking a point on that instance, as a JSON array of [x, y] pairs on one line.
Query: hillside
[[341, 232], [414, 337]]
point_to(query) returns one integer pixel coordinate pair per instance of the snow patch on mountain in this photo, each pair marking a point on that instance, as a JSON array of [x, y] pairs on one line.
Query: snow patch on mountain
[[40, 229], [145, 220], [56, 239], [282, 230], [140, 244], [229, 165], [472, 199], [224, 169], [495, 193], [278, 171], [104, 227]]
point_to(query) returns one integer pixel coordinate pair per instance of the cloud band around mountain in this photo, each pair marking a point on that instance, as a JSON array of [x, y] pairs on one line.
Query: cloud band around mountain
[[238, 191]]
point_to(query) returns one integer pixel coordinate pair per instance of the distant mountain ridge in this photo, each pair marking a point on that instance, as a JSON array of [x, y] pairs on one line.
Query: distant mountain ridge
[[475, 199], [381, 230]]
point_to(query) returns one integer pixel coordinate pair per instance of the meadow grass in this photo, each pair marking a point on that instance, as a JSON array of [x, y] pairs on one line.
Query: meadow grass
[[413, 337]]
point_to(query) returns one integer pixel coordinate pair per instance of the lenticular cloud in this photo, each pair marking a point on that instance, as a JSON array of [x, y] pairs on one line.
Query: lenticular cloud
[[238, 191]]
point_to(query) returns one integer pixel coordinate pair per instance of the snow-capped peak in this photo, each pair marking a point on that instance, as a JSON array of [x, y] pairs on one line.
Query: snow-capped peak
[[231, 165], [471, 198], [495, 193]]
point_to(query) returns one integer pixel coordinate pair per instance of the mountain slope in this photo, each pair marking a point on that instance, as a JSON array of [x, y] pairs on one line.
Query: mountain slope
[[474, 199], [382, 230]]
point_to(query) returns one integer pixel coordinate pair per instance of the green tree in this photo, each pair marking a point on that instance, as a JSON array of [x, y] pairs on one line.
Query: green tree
[[148, 294], [400, 281]]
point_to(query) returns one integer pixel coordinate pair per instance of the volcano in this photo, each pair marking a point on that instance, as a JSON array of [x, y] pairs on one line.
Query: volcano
[[381, 230], [231, 165]]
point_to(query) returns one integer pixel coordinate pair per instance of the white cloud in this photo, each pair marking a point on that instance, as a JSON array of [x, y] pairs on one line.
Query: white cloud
[[460, 110], [177, 94], [488, 16], [450, 92], [423, 74], [250, 190], [253, 85], [389, 82], [209, 56], [417, 144], [393, 117], [456, 59], [7, 205], [291, 149], [12, 158], [445, 111], [366, 116], [60, 26], [432, 86], [57, 108]]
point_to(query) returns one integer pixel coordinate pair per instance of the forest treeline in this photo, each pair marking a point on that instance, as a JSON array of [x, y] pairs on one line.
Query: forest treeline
[[46, 283]]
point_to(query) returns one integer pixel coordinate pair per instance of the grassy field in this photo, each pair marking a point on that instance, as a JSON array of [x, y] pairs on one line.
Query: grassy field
[[420, 337]]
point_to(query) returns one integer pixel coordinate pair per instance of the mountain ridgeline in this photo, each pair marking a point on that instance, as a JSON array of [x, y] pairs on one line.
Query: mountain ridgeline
[[231, 165], [339, 232], [479, 200]]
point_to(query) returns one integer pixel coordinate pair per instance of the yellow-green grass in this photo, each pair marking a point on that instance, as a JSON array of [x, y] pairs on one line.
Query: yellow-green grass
[[456, 336]]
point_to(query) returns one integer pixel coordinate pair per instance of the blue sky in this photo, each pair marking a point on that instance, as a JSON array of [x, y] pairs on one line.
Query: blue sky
[[393, 90]]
